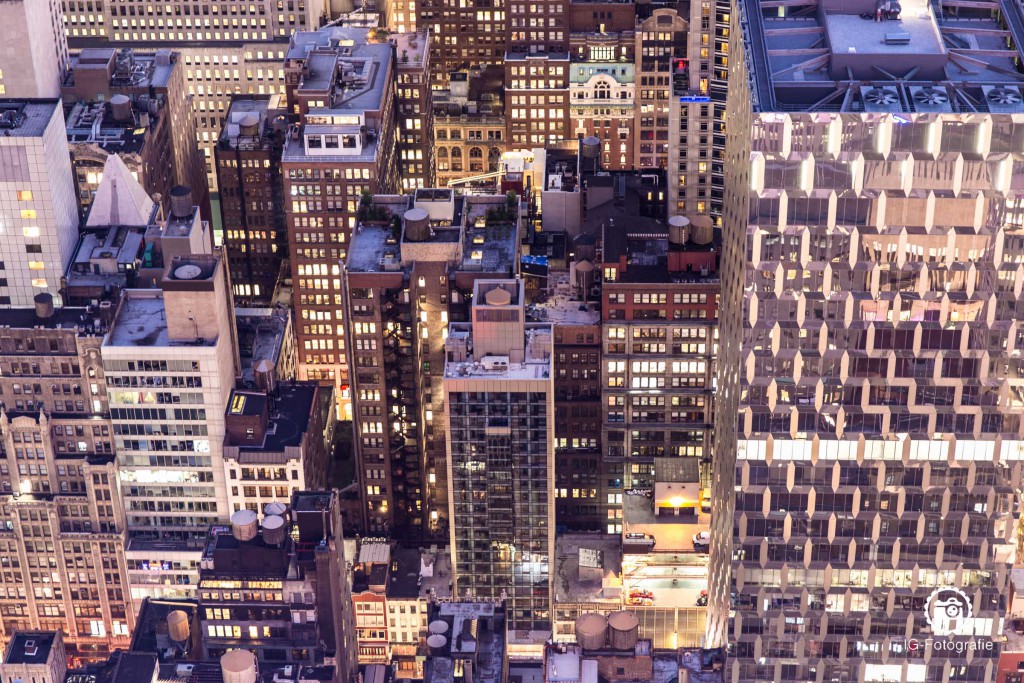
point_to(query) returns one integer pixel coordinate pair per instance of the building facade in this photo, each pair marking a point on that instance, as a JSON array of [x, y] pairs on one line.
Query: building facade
[[869, 352], [500, 438], [37, 201], [342, 152], [35, 66], [63, 530], [248, 159]]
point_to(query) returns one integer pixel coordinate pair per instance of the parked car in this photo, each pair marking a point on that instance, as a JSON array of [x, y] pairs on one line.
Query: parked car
[[702, 540]]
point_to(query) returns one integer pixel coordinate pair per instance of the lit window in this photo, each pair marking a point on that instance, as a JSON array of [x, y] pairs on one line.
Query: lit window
[[28, 213], [24, 195], [31, 231], [36, 265]]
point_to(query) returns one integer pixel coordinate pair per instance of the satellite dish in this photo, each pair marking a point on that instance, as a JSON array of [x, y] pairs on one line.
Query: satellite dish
[[189, 271]]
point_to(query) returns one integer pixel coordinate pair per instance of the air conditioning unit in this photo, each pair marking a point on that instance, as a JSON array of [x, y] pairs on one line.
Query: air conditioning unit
[[1003, 99], [184, 670], [928, 99], [880, 99]]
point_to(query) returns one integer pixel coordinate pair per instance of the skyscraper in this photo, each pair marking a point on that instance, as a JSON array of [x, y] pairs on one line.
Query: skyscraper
[[37, 201], [499, 389], [869, 358], [34, 64]]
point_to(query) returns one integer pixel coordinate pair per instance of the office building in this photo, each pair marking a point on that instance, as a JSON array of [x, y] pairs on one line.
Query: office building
[[278, 441], [499, 390], [64, 526], [37, 201], [33, 65], [248, 160], [170, 360], [134, 105], [470, 125], [227, 49], [341, 86], [872, 231], [409, 273]]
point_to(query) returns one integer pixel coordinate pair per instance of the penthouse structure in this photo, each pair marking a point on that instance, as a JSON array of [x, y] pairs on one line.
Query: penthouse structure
[[252, 206], [226, 48], [410, 272], [37, 201], [133, 105], [867, 346], [341, 86], [499, 389]]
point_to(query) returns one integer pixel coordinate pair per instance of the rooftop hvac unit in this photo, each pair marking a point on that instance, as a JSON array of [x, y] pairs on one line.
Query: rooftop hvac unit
[[878, 99], [1003, 98], [929, 99], [897, 38]]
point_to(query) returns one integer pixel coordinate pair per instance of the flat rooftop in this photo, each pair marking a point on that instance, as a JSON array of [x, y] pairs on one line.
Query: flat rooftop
[[491, 236], [30, 647], [150, 634], [67, 317], [261, 336], [142, 321], [822, 55], [473, 368], [587, 568], [562, 304], [26, 118]]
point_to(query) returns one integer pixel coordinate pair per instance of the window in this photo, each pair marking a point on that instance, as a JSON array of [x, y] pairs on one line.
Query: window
[[24, 195]]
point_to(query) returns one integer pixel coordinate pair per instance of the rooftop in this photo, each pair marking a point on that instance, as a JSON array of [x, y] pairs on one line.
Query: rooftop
[[120, 198], [26, 118], [476, 631], [118, 68], [562, 305], [261, 336], [64, 318], [476, 94], [30, 647], [410, 48], [150, 634], [863, 56], [534, 366], [141, 320], [588, 567], [418, 573], [95, 123], [249, 123], [491, 235]]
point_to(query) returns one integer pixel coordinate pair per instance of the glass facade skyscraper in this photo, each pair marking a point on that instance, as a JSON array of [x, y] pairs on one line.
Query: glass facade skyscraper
[[870, 345]]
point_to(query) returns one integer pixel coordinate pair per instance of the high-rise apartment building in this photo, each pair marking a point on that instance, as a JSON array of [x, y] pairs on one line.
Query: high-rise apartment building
[[409, 273], [227, 48], [413, 103], [499, 390], [342, 88], [133, 105], [63, 528], [37, 201], [248, 158], [33, 65], [869, 429]]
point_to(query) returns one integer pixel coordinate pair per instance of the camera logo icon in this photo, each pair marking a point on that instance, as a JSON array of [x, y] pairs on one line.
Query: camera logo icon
[[947, 611]]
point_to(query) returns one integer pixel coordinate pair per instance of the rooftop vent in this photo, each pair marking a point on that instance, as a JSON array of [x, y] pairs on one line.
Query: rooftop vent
[[897, 38], [1003, 98], [880, 99], [928, 99], [31, 648]]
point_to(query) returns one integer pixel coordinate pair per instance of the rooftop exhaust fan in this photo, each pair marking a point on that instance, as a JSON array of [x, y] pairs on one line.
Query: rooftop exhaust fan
[[1004, 96], [881, 96]]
